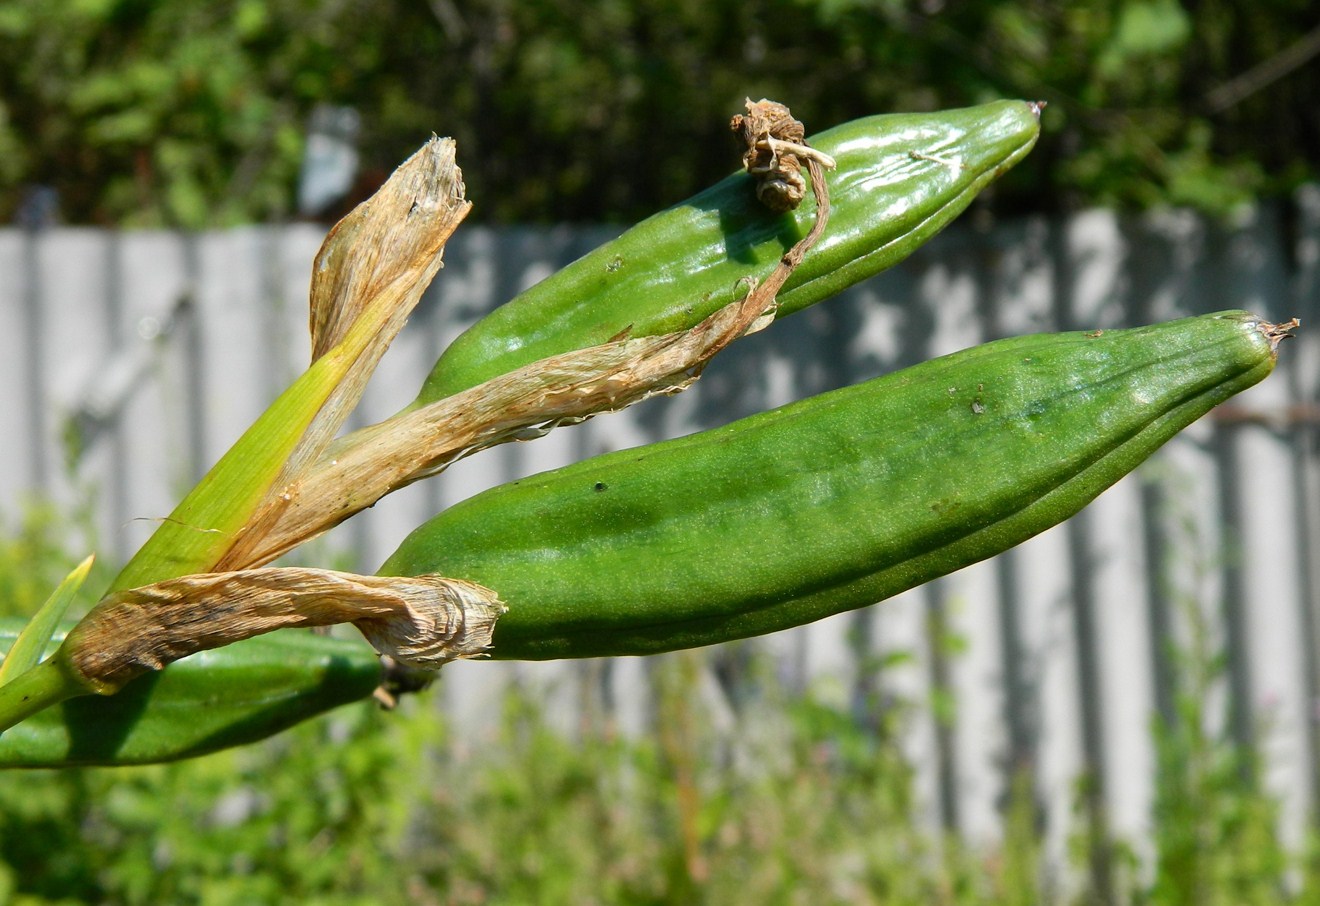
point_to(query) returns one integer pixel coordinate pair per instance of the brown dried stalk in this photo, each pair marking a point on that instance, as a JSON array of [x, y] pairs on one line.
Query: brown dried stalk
[[425, 621]]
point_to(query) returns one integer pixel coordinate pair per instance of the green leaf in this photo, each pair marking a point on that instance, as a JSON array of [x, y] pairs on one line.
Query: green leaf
[[28, 685], [32, 641]]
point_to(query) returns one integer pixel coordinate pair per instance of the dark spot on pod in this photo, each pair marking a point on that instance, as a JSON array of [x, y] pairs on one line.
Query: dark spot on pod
[[600, 486]]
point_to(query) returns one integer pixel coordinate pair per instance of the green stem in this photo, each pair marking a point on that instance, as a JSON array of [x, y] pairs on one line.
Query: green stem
[[46, 684]]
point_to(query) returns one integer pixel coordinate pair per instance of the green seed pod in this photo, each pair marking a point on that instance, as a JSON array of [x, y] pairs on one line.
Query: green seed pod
[[834, 502], [899, 180], [210, 701]]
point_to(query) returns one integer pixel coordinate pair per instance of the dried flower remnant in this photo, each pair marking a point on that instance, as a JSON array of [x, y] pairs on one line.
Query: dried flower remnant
[[776, 147]]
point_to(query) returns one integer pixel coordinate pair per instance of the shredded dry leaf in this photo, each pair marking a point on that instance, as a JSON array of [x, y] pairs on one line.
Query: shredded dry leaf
[[371, 272], [369, 275], [373, 268], [424, 621]]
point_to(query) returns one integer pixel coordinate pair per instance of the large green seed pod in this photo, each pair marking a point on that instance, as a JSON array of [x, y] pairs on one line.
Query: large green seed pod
[[900, 179], [834, 502]]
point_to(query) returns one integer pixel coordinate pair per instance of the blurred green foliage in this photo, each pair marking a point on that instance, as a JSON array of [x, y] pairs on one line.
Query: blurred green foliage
[[801, 803], [176, 113]]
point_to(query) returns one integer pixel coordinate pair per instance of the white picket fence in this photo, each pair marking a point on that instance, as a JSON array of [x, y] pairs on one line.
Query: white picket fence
[[154, 350]]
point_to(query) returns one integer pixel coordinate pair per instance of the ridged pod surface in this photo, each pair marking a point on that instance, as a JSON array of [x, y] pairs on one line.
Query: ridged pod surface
[[210, 701], [900, 179], [837, 501]]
